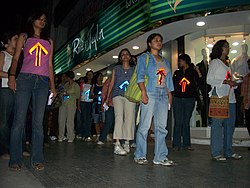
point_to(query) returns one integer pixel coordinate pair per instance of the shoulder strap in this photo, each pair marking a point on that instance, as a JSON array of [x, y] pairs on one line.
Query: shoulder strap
[[147, 60]]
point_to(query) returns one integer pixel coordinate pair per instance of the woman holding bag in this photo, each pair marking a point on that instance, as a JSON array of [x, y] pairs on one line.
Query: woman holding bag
[[123, 108], [220, 78], [156, 100]]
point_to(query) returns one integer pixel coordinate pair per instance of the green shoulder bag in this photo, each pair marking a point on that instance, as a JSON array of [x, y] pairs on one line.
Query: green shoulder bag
[[133, 92]]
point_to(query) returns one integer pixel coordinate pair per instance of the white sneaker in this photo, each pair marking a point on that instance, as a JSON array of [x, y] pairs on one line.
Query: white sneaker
[[126, 147], [88, 139], [164, 162], [78, 137], [118, 150], [133, 145], [64, 138], [100, 142], [53, 138], [141, 161]]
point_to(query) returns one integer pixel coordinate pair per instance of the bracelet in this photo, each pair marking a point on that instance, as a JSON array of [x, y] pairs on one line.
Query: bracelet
[[12, 74]]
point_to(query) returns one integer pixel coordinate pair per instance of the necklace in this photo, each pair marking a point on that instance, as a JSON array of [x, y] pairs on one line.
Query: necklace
[[36, 36]]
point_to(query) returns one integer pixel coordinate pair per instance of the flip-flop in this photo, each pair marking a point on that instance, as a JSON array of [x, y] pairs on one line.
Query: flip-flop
[[15, 167], [38, 166]]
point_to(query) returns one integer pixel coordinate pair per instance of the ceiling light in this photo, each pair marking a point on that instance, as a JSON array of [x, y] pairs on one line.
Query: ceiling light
[[78, 74], [200, 23], [210, 46], [235, 44], [233, 51], [88, 69], [135, 47], [115, 57]]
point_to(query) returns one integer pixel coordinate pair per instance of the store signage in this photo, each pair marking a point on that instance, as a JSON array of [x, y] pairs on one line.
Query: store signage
[[122, 19], [86, 42]]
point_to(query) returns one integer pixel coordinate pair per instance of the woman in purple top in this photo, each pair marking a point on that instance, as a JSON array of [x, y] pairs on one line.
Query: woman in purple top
[[32, 83]]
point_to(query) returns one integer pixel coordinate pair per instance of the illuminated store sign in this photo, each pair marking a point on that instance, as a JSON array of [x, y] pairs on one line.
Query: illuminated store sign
[[122, 19]]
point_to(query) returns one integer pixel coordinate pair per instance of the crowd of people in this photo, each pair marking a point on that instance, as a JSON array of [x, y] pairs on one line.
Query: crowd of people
[[88, 106]]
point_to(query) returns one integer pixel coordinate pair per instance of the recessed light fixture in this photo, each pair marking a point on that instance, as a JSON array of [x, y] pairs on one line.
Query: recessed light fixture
[[78, 74], [115, 56], [88, 69], [235, 43], [210, 46], [233, 51], [135, 47], [200, 23]]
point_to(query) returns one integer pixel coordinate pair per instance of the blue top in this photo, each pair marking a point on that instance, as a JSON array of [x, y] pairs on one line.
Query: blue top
[[122, 78], [152, 73]]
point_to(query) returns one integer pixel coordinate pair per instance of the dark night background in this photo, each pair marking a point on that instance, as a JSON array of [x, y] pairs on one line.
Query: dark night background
[[14, 14]]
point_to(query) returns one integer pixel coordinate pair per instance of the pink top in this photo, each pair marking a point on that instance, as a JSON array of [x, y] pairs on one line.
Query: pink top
[[36, 56]]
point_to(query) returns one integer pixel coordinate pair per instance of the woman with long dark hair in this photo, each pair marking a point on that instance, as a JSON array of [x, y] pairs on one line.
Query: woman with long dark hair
[[123, 108], [31, 83], [220, 78]]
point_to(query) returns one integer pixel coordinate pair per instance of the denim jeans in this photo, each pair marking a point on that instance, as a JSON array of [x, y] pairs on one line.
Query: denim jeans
[[35, 87], [183, 109], [86, 114], [158, 107], [109, 123], [6, 107], [222, 131], [78, 122]]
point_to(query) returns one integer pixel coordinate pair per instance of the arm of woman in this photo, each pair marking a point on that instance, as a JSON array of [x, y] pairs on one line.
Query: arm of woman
[[12, 75], [111, 84], [3, 74], [170, 99], [51, 71], [92, 96], [140, 73]]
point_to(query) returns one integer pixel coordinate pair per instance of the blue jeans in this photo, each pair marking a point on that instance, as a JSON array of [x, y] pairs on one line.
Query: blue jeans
[[86, 114], [35, 87], [183, 109], [108, 124], [158, 107], [78, 122], [6, 107], [222, 131]]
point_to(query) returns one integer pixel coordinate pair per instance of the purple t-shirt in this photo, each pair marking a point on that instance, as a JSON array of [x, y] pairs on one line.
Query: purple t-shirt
[[36, 56]]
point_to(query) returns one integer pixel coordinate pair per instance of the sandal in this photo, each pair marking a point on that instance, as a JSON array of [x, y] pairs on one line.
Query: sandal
[[15, 167], [38, 166], [236, 156]]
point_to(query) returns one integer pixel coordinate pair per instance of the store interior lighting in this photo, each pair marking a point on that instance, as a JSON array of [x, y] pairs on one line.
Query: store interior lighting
[[136, 47]]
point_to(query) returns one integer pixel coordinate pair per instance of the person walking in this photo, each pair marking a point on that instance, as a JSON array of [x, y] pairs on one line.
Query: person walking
[[123, 108]]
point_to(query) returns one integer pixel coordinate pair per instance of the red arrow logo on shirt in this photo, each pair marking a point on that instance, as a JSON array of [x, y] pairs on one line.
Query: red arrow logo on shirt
[[184, 82], [162, 73]]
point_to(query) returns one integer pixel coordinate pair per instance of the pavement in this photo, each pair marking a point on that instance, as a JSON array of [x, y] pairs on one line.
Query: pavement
[[86, 164]]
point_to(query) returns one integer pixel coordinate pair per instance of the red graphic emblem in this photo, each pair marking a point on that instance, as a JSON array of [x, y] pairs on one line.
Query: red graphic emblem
[[161, 74], [184, 82]]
